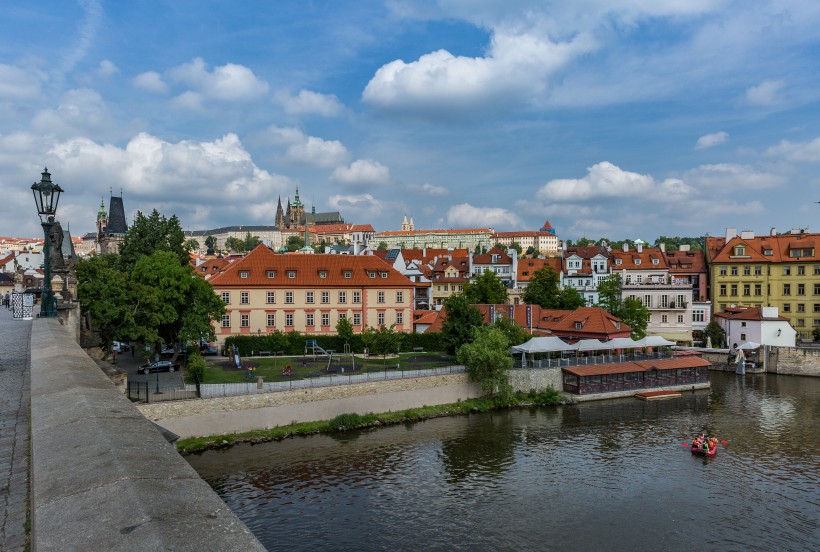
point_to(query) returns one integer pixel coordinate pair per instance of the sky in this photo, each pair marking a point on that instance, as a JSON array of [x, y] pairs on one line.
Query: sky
[[621, 119]]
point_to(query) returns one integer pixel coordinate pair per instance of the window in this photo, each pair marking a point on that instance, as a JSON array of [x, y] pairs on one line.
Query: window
[[747, 271], [680, 319], [723, 289], [348, 274], [743, 324], [308, 320], [637, 262], [357, 296], [758, 270], [399, 317], [271, 274], [787, 307], [758, 289], [244, 320], [787, 289], [289, 319], [817, 270], [817, 307], [342, 316], [787, 270], [342, 297], [817, 289], [384, 274], [322, 274], [380, 297], [289, 298], [399, 297], [654, 261], [226, 297], [801, 289], [723, 271], [271, 297], [733, 271], [664, 301], [578, 325], [325, 297], [801, 322], [733, 289], [639, 278], [243, 274], [226, 320], [244, 298], [647, 301], [801, 307], [698, 316], [308, 297], [743, 337], [271, 320], [664, 319], [380, 319], [357, 319], [291, 274], [371, 274], [801, 270], [325, 319], [740, 250]]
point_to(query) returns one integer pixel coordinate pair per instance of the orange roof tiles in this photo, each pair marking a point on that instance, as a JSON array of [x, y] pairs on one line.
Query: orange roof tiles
[[755, 249], [309, 270], [528, 267], [629, 259], [641, 366], [422, 232]]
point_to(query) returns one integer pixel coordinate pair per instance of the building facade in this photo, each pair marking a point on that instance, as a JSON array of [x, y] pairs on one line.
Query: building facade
[[264, 292]]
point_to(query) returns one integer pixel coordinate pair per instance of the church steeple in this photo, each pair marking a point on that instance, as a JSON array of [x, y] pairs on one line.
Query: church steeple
[[280, 215]]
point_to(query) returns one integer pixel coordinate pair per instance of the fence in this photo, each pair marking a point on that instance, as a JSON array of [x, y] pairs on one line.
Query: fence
[[146, 392], [591, 360]]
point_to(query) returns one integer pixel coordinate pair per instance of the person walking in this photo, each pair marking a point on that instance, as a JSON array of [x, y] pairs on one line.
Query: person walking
[[7, 300]]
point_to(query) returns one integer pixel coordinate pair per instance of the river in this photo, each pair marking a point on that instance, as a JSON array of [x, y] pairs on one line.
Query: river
[[610, 475]]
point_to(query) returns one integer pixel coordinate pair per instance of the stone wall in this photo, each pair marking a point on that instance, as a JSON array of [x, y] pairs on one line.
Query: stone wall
[[226, 415], [794, 361], [102, 476], [536, 378]]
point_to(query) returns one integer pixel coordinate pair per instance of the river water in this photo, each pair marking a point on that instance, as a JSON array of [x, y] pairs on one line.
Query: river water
[[610, 475]]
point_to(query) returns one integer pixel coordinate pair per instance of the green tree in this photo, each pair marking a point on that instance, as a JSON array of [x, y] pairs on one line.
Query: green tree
[[543, 289], [716, 333], [196, 367], [570, 298], [382, 246], [460, 319], [382, 341], [210, 243], [488, 360], [105, 295], [530, 251], [517, 247], [610, 296], [344, 329], [250, 242], [485, 289], [477, 249], [815, 333], [191, 245], [294, 243], [153, 233], [516, 335], [634, 314], [235, 244]]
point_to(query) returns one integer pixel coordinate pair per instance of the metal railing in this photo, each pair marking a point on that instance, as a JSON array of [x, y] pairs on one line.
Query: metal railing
[[144, 391], [591, 360]]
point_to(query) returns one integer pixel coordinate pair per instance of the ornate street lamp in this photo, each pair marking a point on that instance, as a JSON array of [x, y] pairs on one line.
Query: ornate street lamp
[[47, 196]]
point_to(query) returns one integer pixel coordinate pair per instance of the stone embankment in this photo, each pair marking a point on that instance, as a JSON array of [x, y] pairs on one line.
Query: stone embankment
[[104, 477], [226, 415]]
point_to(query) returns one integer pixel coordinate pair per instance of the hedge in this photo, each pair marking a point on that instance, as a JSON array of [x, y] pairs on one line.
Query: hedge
[[293, 343]]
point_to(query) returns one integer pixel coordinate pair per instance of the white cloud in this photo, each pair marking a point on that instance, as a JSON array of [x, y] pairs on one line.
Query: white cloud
[[229, 82], [428, 189], [79, 111], [150, 81], [220, 172], [731, 177], [602, 180], [308, 102], [362, 172], [17, 84], [517, 67], [108, 68], [306, 150], [465, 215], [191, 101], [711, 140], [808, 152], [766, 93], [363, 204]]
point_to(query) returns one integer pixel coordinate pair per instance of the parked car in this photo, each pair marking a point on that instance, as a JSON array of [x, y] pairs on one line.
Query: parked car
[[120, 347], [158, 366]]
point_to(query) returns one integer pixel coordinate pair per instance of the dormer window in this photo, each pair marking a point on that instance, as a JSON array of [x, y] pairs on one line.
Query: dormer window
[[578, 325], [243, 274], [637, 262], [271, 274], [655, 261], [291, 274], [618, 261], [322, 274], [384, 274], [617, 325], [348, 274], [371, 274], [740, 250]]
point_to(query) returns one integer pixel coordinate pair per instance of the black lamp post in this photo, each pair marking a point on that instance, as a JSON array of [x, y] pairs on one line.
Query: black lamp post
[[47, 196]]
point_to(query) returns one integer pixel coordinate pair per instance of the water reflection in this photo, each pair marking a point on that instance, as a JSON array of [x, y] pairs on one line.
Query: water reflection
[[591, 477]]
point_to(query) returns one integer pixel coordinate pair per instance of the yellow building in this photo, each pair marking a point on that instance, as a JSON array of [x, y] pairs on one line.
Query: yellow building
[[780, 271], [264, 292]]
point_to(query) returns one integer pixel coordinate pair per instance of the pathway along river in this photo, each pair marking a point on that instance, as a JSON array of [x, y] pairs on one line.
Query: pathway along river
[[611, 475]]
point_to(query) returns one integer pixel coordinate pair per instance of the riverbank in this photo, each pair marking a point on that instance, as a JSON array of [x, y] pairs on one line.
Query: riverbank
[[353, 421]]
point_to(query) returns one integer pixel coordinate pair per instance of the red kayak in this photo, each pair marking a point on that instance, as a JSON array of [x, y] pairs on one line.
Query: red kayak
[[701, 452]]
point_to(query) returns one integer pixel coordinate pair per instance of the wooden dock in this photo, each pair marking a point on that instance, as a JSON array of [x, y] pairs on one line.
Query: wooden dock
[[657, 395]]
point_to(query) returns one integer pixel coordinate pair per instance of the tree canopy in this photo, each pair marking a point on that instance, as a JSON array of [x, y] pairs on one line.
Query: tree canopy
[[485, 289], [153, 233], [544, 290], [459, 321], [488, 361], [632, 312]]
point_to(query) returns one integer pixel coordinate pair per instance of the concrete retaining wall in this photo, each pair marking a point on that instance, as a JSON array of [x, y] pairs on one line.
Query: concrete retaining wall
[[103, 477], [225, 415], [536, 378]]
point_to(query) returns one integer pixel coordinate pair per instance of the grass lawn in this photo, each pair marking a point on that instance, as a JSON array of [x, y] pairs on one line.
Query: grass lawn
[[221, 370]]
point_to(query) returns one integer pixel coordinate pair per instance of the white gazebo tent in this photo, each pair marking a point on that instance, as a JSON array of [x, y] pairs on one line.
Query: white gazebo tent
[[549, 344]]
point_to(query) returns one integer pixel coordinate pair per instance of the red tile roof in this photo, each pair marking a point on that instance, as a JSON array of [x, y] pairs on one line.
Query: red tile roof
[[262, 259], [780, 247], [646, 256], [686, 261], [641, 366], [745, 313], [422, 232]]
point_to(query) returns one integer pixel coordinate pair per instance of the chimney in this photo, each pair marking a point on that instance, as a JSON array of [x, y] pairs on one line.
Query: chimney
[[639, 247], [747, 235], [626, 247], [663, 247], [684, 247], [773, 231], [730, 233]]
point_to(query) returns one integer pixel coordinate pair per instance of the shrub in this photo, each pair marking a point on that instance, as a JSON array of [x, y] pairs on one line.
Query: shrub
[[349, 420], [196, 367]]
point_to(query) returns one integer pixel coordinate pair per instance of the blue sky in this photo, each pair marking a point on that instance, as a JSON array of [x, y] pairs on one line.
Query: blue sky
[[629, 119]]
